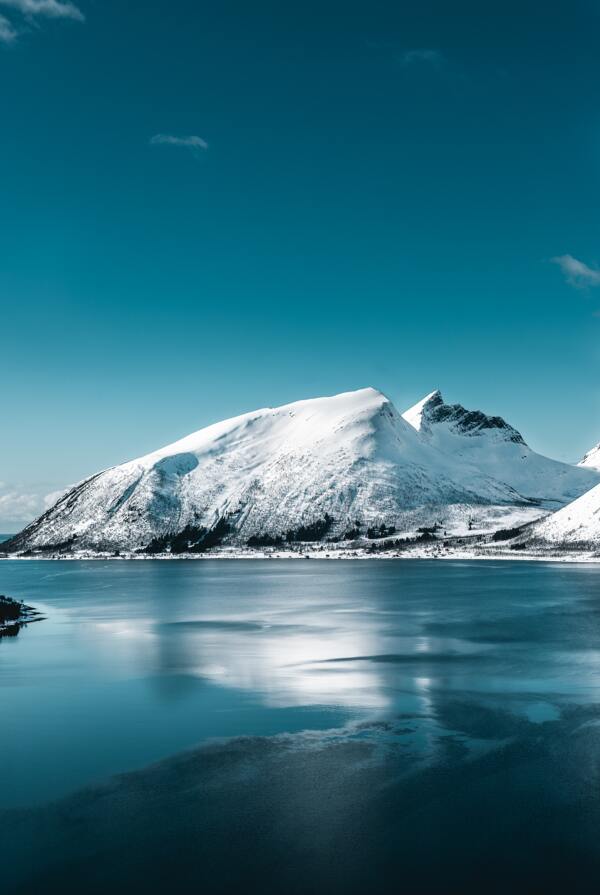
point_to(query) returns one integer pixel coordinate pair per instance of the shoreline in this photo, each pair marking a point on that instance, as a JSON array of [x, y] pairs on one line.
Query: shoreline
[[15, 615], [424, 553]]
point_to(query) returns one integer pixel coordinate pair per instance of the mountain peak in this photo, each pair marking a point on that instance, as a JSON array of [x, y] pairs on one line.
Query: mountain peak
[[432, 410], [420, 411], [360, 398]]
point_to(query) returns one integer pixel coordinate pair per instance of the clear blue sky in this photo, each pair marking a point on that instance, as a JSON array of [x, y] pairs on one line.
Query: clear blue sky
[[374, 197]]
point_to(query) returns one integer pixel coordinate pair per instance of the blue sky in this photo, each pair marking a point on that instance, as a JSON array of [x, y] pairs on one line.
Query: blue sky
[[207, 209]]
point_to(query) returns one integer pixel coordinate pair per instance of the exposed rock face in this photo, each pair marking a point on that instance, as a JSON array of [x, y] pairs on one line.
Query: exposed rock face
[[433, 410]]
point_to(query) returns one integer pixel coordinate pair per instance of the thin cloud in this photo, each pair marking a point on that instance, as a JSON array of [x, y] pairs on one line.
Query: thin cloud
[[19, 506], [192, 142], [423, 57], [50, 9], [51, 498], [16, 507], [576, 272], [8, 33]]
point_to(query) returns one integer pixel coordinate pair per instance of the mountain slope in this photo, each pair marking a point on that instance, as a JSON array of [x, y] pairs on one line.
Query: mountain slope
[[297, 471], [498, 450], [576, 525], [591, 460]]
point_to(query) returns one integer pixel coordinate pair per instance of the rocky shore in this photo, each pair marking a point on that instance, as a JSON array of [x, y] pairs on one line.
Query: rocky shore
[[14, 615]]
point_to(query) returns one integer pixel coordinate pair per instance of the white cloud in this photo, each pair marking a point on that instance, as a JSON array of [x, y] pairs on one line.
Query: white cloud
[[576, 272], [427, 57], [50, 499], [190, 142], [8, 33], [28, 12], [50, 9], [20, 506]]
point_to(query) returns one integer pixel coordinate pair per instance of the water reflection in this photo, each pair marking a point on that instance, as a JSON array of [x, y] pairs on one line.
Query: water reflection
[[137, 661], [279, 660], [386, 642]]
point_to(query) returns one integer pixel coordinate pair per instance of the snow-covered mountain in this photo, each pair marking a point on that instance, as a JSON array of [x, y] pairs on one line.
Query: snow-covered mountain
[[297, 472], [317, 468], [498, 450], [591, 460], [577, 525]]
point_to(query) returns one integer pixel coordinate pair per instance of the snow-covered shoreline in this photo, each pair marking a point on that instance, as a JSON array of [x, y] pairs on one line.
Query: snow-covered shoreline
[[428, 552]]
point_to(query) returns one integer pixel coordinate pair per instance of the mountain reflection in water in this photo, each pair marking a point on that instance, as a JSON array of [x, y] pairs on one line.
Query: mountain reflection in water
[[380, 726]]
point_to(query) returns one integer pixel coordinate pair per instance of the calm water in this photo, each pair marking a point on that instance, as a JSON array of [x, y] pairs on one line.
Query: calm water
[[335, 726]]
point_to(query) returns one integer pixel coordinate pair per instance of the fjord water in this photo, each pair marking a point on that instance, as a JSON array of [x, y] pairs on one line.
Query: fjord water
[[333, 726]]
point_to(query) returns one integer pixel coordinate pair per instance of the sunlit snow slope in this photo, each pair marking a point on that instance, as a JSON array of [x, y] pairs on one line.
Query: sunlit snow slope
[[576, 525], [592, 459]]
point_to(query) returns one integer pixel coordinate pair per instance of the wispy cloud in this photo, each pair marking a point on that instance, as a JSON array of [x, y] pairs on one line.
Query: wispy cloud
[[193, 143], [50, 9], [423, 57], [576, 272], [51, 498], [19, 506], [8, 33], [25, 15]]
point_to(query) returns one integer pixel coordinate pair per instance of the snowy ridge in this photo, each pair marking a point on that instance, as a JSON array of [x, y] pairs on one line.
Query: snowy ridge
[[591, 460], [308, 470], [498, 450], [432, 411]]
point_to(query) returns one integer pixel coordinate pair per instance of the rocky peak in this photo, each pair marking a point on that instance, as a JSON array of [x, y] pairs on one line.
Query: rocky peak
[[433, 410]]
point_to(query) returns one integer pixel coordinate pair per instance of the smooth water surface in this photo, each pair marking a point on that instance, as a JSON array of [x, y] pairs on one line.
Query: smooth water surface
[[402, 670]]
